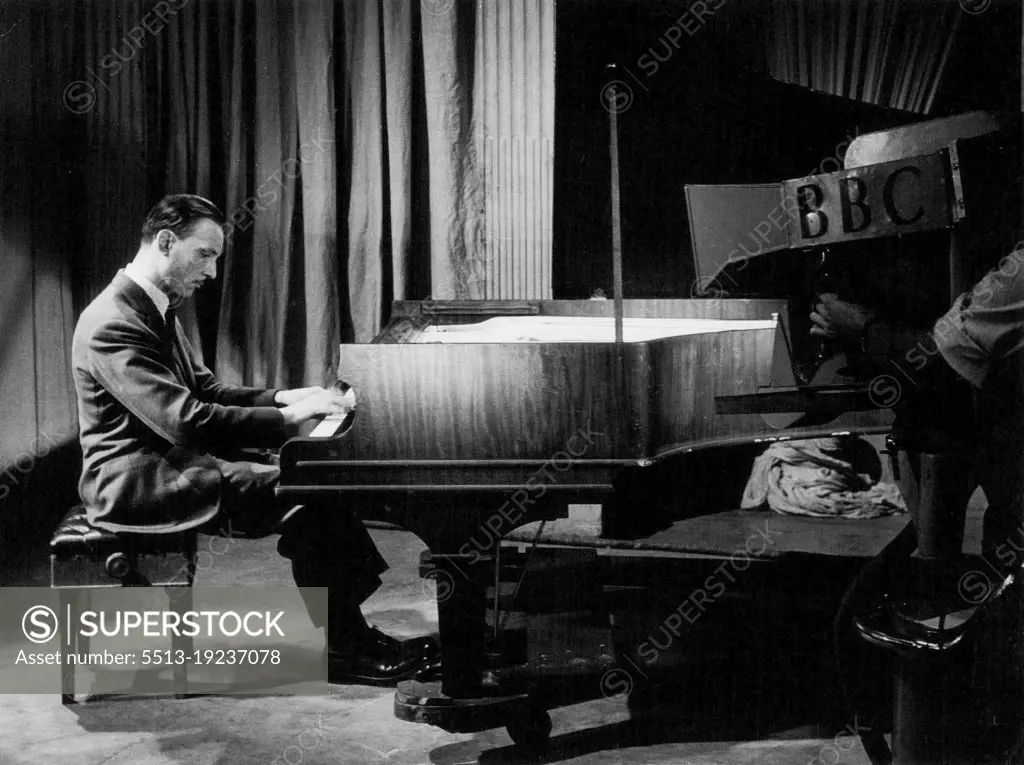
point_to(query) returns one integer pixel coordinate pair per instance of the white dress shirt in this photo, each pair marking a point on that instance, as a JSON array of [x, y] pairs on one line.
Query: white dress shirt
[[160, 300]]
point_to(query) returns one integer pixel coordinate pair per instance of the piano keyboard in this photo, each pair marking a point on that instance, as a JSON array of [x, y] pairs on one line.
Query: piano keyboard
[[327, 427]]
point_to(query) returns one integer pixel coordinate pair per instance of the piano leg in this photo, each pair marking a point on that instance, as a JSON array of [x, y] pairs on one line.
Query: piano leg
[[461, 611]]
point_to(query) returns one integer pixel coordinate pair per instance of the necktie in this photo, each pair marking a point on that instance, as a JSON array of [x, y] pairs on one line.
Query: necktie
[[169, 331]]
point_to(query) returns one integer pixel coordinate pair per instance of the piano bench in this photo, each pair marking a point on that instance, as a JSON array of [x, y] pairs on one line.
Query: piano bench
[[84, 558]]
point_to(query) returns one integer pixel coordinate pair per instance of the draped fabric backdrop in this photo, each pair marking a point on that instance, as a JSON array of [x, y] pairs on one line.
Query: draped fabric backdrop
[[514, 139], [364, 150], [334, 212], [891, 54], [39, 159], [477, 80], [343, 140], [41, 153], [280, 317]]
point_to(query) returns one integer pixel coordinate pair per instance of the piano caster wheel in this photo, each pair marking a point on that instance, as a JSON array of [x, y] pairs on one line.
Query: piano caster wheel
[[530, 728], [118, 566]]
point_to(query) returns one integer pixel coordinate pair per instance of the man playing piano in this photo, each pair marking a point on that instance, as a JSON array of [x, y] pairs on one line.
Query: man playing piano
[[161, 436]]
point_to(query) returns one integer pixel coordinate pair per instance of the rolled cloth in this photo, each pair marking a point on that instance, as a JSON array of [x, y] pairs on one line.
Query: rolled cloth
[[823, 478]]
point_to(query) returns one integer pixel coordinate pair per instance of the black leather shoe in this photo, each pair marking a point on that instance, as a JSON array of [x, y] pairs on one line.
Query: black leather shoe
[[379, 659], [417, 646]]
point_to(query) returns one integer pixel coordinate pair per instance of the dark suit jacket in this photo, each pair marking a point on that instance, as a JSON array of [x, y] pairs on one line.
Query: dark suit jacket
[[150, 415]]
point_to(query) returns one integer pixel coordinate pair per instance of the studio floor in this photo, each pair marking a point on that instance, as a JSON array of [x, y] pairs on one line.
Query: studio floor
[[356, 724]]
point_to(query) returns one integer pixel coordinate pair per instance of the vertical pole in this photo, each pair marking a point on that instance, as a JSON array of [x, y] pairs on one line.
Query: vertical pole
[[613, 143]]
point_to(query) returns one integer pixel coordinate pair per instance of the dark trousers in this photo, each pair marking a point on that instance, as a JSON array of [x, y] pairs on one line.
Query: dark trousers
[[328, 546], [997, 466], [1000, 473]]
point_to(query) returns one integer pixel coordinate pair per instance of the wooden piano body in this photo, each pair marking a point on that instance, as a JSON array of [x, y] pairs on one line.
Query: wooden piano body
[[442, 422], [462, 442]]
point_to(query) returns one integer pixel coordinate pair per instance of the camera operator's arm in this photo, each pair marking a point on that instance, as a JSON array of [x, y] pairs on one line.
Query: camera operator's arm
[[933, 403], [881, 340], [839, 319], [985, 325]]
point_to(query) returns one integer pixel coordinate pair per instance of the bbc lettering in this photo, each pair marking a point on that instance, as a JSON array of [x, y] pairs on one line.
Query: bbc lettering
[[879, 200]]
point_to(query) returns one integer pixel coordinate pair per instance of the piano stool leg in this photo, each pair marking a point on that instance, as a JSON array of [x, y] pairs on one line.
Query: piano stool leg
[[461, 619], [73, 601], [180, 600], [67, 599]]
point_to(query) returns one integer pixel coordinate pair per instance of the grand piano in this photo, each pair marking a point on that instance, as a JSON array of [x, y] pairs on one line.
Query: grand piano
[[474, 418]]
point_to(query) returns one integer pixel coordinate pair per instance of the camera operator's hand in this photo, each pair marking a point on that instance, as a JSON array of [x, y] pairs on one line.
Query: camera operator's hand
[[320, 403], [837, 318]]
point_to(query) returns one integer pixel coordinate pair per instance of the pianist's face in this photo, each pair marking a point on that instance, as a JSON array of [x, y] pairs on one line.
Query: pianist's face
[[193, 259]]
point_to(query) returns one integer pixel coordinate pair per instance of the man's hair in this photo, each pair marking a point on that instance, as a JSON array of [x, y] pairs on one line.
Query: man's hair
[[179, 213]]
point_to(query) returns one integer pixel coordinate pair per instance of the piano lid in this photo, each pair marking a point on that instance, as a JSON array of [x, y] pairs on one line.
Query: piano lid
[[580, 329]]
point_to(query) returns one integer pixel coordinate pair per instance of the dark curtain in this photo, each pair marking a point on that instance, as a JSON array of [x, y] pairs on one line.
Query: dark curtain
[[890, 54], [40, 225], [700, 109], [345, 141], [109, 105], [352, 146], [37, 172], [208, 98], [452, 119]]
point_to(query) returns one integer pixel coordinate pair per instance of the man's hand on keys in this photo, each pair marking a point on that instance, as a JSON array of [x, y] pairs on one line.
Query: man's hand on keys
[[294, 395], [313, 403]]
